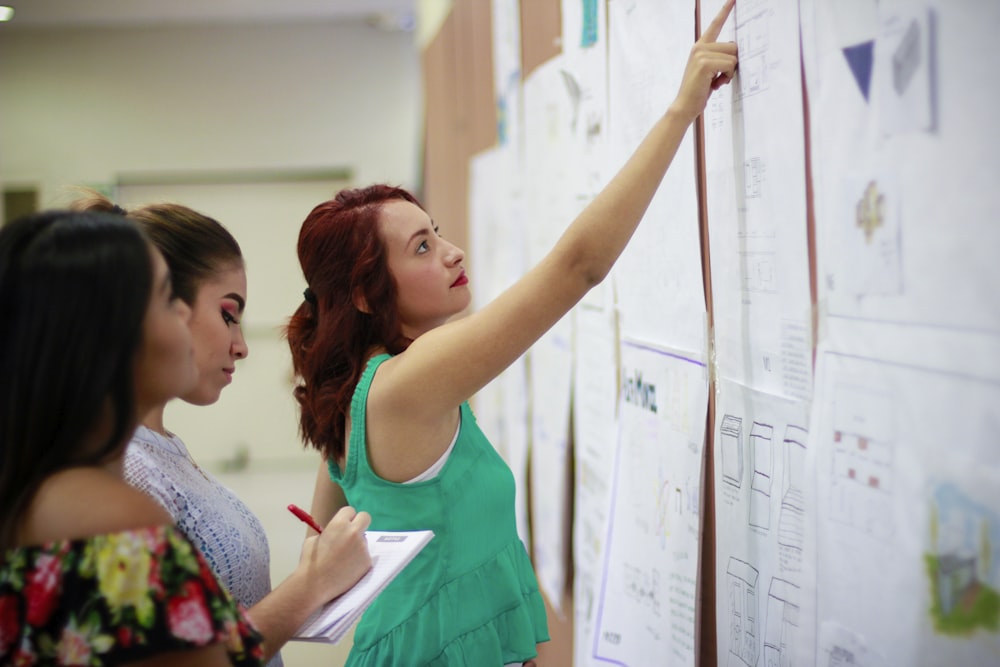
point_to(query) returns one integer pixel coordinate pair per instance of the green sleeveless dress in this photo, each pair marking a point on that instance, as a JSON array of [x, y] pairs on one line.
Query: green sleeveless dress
[[470, 597]]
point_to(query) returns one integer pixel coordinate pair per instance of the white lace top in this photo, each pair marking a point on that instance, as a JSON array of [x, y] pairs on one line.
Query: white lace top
[[229, 535]]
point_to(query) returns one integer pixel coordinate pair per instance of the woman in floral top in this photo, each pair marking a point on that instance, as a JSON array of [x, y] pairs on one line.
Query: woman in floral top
[[92, 571]]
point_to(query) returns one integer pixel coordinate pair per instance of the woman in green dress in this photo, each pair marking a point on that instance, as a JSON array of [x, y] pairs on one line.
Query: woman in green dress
[[385, 375]]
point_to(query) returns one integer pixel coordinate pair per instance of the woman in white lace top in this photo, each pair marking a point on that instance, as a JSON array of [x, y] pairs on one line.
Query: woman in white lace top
[[209, 275]]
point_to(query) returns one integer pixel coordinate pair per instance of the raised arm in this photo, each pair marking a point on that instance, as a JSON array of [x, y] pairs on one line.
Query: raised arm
[[450, 363]]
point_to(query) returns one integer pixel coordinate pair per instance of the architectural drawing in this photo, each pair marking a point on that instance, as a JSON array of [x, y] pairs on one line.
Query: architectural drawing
[[753, 36], [743, 630], [791, 518], [731, 448], [782, 623], [759, 272], [760, 483], [862, 479]]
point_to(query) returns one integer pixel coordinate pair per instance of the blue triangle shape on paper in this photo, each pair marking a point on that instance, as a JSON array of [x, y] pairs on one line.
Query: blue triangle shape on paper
[[859, 59]]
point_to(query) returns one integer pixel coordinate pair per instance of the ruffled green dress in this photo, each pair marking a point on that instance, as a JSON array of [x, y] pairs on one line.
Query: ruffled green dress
[[470, 597]]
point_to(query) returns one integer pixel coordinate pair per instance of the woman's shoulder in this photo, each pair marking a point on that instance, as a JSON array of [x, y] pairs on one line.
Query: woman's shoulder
[[87, 501]]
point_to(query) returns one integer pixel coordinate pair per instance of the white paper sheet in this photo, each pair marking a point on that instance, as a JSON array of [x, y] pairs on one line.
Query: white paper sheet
[[905, 161], [550, 368], [595, 429], [760, 515], [658, 280], [585, 74], [647, 597], [755, 169], [550, 186], [907, 515]]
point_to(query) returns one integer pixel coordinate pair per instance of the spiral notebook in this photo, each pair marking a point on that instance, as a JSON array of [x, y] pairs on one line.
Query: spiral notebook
[[391, 551]]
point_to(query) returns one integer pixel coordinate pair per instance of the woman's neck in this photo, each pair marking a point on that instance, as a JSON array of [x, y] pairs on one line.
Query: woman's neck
[[154, 420]]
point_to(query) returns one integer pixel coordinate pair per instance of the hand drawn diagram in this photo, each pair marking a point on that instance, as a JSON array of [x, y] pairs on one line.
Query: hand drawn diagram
[[744, 641], [782, 623], [753, 37], [759, 272], [760, 483], [862, 479], [791, 517], [731, 445]]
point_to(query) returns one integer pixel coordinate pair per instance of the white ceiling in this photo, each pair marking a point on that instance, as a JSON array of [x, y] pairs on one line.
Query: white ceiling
[[53, 13]]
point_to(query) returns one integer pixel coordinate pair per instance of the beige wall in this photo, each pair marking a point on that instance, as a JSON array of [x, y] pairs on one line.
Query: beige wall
[[85, 105]]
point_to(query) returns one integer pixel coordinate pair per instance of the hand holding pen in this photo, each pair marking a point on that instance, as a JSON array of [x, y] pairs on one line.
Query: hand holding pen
[[338, 556], [305, 517]]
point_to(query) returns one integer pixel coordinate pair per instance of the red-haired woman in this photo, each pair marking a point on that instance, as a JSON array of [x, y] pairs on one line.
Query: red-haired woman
[[384, 378]]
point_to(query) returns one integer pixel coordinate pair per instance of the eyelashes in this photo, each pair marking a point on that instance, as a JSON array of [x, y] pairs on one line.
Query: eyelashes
[[228, 318]]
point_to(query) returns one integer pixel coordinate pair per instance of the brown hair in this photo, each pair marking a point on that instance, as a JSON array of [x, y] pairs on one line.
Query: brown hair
[[344, 263]]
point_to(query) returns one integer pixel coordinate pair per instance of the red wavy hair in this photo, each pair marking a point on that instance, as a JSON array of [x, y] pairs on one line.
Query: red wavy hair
[[344, 263]]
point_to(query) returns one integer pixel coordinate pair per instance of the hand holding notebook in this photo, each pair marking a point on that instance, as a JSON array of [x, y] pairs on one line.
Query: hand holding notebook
[[390, 551]]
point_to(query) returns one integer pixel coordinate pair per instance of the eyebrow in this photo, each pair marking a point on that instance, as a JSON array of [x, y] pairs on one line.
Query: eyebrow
[[422, 232], [417, 234], [240, 303]]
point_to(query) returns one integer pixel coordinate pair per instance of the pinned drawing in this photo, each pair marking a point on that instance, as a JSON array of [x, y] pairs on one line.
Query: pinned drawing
[[962, 570], [744, 640], [782, 623], [731, 446], [862, 479], [760, 483], [791, 517], [905, 55], [870, 211], [872, 234]]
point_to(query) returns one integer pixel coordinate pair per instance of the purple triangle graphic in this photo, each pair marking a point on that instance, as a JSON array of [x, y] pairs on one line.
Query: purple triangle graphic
[[859, 59]]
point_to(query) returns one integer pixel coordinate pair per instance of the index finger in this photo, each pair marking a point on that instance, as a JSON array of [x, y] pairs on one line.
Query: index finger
[[715, 27]]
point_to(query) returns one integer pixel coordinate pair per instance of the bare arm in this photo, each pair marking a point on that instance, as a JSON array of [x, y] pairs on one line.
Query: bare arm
[[449, 364], [210, 656], [327, 498], [330, 564]]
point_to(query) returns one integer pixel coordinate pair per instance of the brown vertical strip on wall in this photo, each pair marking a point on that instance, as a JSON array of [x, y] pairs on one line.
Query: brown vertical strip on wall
[[541, 33], [441, 95], [705, 612], [474, 22], [810, 212], [460, 112]]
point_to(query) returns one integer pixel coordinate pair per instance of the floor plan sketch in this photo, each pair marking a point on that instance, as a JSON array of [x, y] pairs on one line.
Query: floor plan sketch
[[862, 446], [759, 272]]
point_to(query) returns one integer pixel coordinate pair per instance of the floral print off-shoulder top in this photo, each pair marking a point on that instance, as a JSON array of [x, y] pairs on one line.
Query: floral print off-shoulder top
[[114, 598]]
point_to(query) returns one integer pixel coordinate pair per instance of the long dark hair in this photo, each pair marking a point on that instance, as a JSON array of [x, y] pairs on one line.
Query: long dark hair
[[74, 289], [344, 263]]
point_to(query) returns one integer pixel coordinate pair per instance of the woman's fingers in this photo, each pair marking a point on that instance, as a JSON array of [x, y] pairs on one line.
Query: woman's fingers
[[715, 27]]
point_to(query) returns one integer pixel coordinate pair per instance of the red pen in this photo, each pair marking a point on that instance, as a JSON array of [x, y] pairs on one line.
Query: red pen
[[304, 517]]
